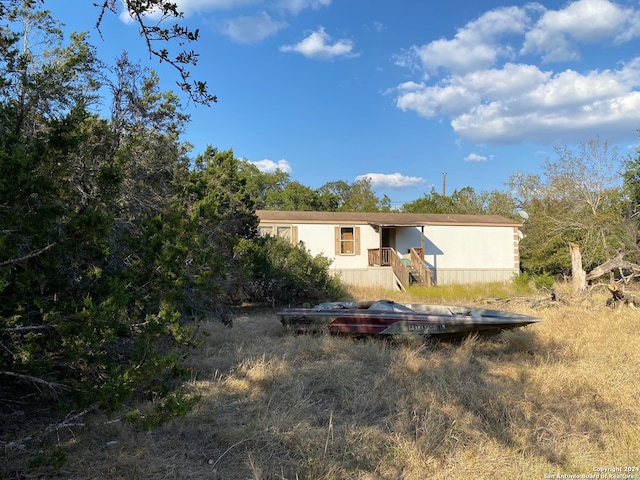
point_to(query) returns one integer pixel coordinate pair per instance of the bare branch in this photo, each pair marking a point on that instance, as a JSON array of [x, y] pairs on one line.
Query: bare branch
[[28, 328], [37, 381], [28, 256], [69, 421]]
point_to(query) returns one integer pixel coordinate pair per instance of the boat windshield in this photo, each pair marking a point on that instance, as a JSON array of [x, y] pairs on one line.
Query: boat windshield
[[389, 306], [384, 305]]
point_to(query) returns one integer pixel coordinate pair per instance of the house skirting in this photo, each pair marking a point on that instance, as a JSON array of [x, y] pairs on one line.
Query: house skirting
[[383, 277], [463, 276]]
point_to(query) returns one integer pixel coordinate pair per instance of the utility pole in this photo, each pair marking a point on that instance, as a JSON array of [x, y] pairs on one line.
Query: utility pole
[[444, 184]]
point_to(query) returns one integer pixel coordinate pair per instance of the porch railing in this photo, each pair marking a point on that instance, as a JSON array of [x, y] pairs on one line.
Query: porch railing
[[387, 257], [417, 262], [380, 256]]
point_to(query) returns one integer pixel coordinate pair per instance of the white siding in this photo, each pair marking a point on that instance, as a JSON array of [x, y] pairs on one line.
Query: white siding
[[470, 254], [469, 247], [317, 238], [320, 239]]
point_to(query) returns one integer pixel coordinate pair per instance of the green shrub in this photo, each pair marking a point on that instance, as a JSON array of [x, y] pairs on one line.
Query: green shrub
[[175, 405], [544, 280], [280, 273], [522, 280]]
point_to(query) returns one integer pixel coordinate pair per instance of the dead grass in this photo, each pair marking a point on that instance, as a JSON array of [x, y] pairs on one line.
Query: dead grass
[[559, 397]]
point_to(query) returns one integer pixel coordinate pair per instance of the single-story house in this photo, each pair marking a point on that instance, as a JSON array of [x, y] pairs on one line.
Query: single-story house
[[393, 250]]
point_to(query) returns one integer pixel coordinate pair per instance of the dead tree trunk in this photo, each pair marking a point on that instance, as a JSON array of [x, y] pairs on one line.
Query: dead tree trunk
[[616, 263], [580, 278], [578, 275]]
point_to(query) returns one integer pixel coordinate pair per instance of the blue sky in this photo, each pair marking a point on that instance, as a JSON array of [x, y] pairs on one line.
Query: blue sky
[[401, 91]]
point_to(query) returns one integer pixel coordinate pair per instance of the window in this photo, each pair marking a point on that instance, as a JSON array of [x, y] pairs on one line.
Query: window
[[290, 232], [284, 232], [265, 230], [347, 240]]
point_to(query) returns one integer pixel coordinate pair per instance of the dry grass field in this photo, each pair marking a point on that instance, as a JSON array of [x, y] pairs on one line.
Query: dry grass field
[[558, 399]]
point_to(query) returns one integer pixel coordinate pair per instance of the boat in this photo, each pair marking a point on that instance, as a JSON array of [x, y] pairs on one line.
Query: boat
[[388, 318]]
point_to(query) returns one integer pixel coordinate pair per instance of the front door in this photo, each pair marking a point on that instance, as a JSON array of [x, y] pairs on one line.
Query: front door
[[388, 237]]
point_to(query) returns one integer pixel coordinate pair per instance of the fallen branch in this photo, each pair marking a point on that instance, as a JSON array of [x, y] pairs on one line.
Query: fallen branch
[[616, 263], [69, 421], [548, 298]]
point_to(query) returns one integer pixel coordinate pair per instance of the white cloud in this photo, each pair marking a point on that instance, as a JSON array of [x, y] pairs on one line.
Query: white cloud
[[557, 33], [613, 119], [521, 101], [269, 166], [296, 6], [490, 98], [565, 105], [390, 180], [252, 29], [474, 157], [408, 59], [320, 45], [458, 94], [437, 100], [475, 45], [505, 32]]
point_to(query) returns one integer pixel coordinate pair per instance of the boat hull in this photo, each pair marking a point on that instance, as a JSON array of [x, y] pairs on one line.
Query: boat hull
[[387, 318]]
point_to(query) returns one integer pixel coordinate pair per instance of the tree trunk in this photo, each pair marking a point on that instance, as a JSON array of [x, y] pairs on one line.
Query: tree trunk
[[616, 263], [578, 275]]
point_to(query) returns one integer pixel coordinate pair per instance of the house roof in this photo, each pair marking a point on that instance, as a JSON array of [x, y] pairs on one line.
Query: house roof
[[391, 219]]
